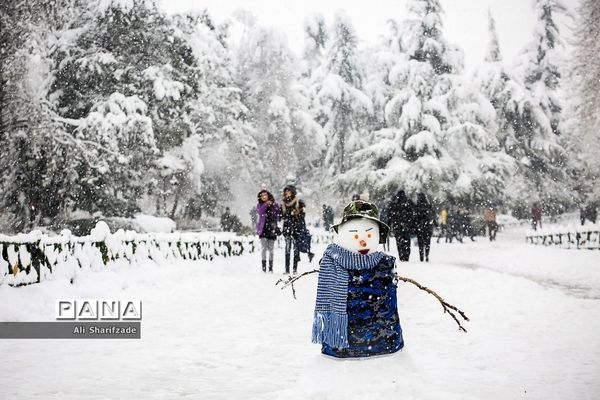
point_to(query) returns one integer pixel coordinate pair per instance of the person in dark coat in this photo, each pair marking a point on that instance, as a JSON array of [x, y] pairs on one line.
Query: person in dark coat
[[589, 212], [384, 216], [424, 222], [227, 220], [401, 216], [268, 214], [454, 229], [466, 224], [327, 217], [536, 216], [294, 224]]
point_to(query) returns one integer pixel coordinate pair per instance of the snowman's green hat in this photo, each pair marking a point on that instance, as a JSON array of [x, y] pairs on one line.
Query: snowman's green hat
[[364, 209]]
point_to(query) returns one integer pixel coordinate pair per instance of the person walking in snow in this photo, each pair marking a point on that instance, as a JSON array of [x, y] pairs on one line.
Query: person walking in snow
[[536, 216], [294, 224], [268, 214], [424, 222], [327, 217], [489, 215], [227, 220], [443, 224], [384, 216], [401, 215], [466, 224], [589, 212], [454, 225]]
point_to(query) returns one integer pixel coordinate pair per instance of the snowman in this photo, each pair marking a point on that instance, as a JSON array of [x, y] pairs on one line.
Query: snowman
[[356, 312]]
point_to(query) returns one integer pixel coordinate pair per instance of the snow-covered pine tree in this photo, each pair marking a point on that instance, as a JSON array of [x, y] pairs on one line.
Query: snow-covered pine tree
[[289, 141], [219, 137], [408, 153], [38, 170], [537, 127], [423, 39], [307, 115], [126, 64], [315, 41], [308, 137], [263, 71], [379, 60], [478, 165], [346, 107], [493, 53], [584, 126]]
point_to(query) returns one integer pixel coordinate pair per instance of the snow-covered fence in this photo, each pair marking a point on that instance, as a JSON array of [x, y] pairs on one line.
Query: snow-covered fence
[[34, 257], [567, 237]]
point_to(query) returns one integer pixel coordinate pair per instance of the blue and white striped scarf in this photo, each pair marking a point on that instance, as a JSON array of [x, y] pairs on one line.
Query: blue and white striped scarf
[[330, 323]]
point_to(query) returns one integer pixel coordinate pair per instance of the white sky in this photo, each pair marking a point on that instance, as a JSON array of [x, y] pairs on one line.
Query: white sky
[[465, 22]]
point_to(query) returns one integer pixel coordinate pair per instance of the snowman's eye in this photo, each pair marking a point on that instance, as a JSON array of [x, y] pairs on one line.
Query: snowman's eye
[[369, 236], [355, 236]]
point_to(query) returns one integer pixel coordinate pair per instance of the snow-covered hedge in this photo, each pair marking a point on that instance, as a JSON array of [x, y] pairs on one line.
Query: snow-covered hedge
[[33, 257], [568, 237]]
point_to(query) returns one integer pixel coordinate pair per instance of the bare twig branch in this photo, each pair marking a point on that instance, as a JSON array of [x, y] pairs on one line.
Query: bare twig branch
[[446, 306], [291, 279]]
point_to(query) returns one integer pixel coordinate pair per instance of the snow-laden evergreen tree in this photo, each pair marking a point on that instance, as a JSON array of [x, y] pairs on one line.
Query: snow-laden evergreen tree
[[289, 141], [308, 138], [423, 38], [379, 60], [224, 146], [126, 65], [263, 68], [493, 53], [537, 128], [315, 41], [313, 64], [38, 168], [510, 99], [473, 154], [346, 107], [584, 125], [408, 153]]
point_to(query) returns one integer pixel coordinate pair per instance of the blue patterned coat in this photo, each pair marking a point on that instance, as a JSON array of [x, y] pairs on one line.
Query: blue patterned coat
[[371, 307]]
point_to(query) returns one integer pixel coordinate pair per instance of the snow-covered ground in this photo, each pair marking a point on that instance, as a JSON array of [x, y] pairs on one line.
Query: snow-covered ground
[[222, 330]]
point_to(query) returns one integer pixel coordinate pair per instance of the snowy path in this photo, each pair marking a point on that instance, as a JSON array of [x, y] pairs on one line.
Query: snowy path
[[224, 331]]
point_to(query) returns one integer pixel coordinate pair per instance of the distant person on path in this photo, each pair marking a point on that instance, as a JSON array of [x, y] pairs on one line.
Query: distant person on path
[[401, 215], [489, 215], [454, 228], [465, 223], [443, 224], [253, 217], [268, 214], [327, 217], [294, 224], [536, 217], [384, 216], [227, 220], [424, 222], [590, 212]]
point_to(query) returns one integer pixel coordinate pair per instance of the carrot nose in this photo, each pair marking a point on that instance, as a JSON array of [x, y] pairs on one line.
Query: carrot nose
[[363, 243]]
